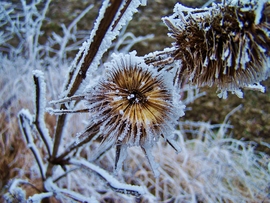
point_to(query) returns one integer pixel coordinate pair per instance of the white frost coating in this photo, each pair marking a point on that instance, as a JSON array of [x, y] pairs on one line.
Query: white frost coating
[[26, 114], [257, 87], [38, 197], [122, 157], [259, 10], [151, 160], [110, 179], [25, 127], [112, 34], [117, 98], [238, 93], [15, 193], [106, 42], [143, 2], [67, 194], [42, 95]]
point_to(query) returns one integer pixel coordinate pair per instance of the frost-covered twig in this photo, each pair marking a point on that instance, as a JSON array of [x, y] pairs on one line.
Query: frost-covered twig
[[83, 60], [88, 135], [15, 193], [37, 198], [112, 182], [40, 103], [25, 121], [89, 50], [65, 193]]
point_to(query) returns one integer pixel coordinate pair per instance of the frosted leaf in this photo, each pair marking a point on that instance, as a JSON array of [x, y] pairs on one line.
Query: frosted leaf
[[151, 160], [143, 2], [121, 154], [16, 195]]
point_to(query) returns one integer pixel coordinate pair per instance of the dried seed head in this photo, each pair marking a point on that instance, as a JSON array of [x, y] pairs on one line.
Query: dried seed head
[[227, 45], [133, 105]]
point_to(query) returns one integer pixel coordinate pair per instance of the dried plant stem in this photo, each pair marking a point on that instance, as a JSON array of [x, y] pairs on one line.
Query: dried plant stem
[[112, 182], [93, 49], [25, 124], [84, 138], [94, 46], [39, 117], [160, 59]]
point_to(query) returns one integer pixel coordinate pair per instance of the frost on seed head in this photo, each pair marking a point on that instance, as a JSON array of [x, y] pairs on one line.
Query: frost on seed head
[[133, 104], [226, 45]]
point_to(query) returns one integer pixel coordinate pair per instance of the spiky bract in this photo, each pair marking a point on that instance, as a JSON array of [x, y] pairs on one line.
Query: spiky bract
[[227, 45], [133, 105]]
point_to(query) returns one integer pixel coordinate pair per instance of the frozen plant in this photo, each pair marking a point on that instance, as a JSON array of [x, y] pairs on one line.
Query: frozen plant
[[131, 101], [226, 45]]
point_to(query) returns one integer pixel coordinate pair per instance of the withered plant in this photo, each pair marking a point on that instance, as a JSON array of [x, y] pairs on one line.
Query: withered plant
[[131, 101]]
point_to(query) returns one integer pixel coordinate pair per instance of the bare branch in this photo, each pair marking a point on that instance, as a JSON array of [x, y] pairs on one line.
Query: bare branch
[[112, 182], [67, 194], [40, 103], [25, 121]]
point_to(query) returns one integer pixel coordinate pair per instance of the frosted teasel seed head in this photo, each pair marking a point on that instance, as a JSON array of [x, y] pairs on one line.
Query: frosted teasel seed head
[[226, 45], [133, 105]]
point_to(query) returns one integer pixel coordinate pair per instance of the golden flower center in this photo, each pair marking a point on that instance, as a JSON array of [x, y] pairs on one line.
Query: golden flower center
[[136, 97]]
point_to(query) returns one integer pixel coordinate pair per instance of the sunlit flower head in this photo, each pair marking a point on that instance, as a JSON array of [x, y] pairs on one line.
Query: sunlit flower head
[[227, 45], [133, 105]]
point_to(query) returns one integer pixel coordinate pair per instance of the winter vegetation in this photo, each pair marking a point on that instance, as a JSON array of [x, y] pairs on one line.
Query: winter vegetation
[[103, 124]]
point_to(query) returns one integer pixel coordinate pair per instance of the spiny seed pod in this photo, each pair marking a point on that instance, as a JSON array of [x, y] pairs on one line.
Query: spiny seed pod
[[133, 106], [227, 45]]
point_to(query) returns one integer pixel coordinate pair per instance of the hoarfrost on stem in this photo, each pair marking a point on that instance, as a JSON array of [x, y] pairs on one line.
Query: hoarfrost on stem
[[40, 102]]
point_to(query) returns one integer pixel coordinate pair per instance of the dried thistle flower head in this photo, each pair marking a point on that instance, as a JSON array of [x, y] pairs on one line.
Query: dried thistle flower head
[[227, 45], [133, 106]]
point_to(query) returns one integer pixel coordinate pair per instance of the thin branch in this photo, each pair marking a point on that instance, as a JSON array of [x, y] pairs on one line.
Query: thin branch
[[40, 102], [68, 99], [112, 182], [58, 192], [60, 112], [64, 174], [88, 135], [25, 122]]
